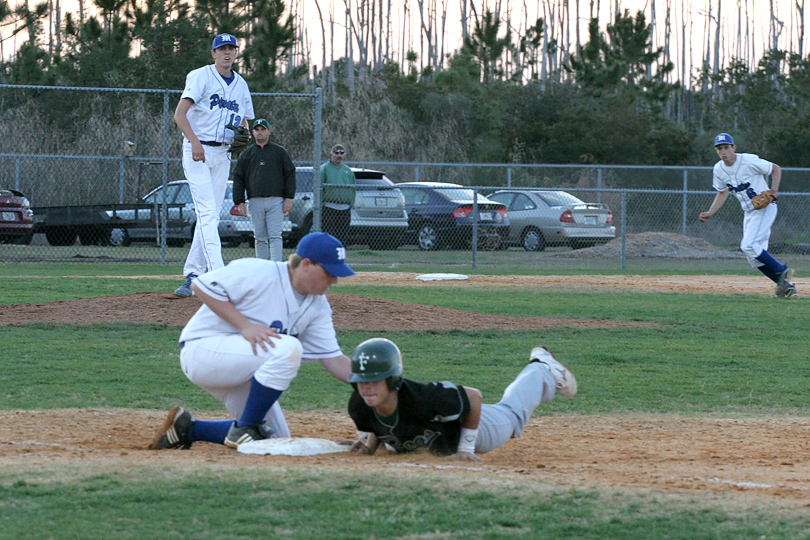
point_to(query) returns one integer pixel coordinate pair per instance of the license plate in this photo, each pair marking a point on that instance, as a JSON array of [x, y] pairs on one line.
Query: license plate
[[381, 201], [590, 220], [9, 216], [485, 216]]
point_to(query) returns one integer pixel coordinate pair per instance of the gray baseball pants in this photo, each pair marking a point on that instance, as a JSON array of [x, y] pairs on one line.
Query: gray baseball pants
[[506, 419], [267, 216]]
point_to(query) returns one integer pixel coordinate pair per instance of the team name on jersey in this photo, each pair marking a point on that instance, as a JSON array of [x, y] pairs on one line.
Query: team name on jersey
[[216, 101], [741, 187]]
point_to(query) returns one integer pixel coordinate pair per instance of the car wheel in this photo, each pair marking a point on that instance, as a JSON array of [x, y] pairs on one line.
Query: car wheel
[[119, 237], [61, 236], [427, 238], [489, 243], [533, 240]]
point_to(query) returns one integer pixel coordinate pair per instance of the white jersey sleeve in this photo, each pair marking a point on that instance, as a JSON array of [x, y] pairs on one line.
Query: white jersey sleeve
[[262, 292], [216, 103], [745, 179]]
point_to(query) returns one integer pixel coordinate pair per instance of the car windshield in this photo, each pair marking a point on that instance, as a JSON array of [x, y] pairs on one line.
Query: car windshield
[[558, 198]]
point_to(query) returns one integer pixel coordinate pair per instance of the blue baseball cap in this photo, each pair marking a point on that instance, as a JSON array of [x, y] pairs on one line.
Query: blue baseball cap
[[327, 251], [223, 39], [724, 138]]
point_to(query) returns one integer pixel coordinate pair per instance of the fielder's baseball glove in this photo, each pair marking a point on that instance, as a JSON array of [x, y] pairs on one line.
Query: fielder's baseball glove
[[241, 139], [763, 199]]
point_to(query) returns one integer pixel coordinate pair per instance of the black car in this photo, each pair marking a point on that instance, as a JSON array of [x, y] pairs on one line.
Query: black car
[[16, 218], [441, 215]]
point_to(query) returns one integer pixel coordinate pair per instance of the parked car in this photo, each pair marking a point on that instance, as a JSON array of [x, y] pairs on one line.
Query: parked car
[[540, 218], [16, 218], [441, 214], [233, 230], [378, 216]]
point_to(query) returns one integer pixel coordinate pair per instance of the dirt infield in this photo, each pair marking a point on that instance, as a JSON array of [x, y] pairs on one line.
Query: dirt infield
[[761, 457]]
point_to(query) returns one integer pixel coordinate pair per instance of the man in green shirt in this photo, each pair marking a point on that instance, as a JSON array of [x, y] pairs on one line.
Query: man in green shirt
[[338, 195]]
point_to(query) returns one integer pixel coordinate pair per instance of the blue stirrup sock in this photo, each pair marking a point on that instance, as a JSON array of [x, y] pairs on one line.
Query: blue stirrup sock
[[768, 272], [771, 264], [213, 431], [259, 401]]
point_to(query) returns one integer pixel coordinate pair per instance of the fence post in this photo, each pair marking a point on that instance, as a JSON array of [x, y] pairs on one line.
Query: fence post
[[164, 210], [624, 230], [316, 163], [685, 195], [599, 185], [121, 180], [416, 173], [509, 177], [17, 173], [475, 229]]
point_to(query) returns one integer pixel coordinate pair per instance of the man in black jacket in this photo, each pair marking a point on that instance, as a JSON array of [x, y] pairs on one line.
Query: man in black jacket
[[264, 175]]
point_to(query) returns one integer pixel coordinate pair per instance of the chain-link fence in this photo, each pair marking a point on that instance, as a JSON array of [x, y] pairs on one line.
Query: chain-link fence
[[97, 163]]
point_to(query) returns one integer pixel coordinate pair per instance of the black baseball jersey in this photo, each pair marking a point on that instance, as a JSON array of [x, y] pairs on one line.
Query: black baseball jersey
[[428, 415]]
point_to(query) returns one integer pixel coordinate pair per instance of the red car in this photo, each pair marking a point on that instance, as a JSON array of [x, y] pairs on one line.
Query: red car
[[16, 218]]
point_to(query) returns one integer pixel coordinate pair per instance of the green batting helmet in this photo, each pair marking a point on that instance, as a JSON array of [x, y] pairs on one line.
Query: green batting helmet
[[377, 359]]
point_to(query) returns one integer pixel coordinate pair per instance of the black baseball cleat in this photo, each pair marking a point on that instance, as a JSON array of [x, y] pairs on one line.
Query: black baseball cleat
[[174, 431], [783, 281], [244, 434]]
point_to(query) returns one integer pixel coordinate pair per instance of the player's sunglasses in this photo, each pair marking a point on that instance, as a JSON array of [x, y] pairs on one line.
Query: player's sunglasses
[[339, 152]]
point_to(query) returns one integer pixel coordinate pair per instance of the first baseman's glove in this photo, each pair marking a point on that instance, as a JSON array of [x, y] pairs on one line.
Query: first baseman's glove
[[241, 139], [763, 199]]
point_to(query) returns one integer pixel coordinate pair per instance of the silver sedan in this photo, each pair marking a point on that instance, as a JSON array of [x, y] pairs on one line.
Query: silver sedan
[[540, 218]]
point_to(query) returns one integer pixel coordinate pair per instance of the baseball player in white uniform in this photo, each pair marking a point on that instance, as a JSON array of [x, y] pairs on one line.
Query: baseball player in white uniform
[[744, 176], [259, 320], [214, 96]]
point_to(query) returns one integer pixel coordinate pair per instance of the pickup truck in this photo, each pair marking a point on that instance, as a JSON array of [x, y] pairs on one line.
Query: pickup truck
[[121, 224]]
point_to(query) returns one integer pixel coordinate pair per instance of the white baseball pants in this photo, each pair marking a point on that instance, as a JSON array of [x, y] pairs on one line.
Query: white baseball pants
[[208, 181], [756, 232], [226, 365]]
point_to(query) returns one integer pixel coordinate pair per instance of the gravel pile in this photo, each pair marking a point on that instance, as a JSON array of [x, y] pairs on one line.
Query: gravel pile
[[655, 245]]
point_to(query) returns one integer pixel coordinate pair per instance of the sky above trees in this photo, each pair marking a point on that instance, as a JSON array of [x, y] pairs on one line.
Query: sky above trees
[[431, 30]]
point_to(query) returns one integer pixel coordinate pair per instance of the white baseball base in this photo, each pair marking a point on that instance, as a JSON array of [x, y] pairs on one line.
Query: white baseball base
[[292, 446], [441, 277]]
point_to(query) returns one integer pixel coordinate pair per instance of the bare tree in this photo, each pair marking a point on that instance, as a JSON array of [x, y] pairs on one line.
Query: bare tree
[[800, 26], [775, 27]]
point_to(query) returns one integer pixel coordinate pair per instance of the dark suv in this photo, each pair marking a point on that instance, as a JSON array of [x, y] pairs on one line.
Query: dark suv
[[379, 219], [16, 218]]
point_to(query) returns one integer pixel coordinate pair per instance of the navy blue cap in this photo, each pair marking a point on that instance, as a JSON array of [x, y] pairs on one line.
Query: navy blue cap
[[327, 251]]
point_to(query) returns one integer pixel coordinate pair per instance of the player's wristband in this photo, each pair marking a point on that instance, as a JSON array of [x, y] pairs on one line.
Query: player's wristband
[[466, 441]]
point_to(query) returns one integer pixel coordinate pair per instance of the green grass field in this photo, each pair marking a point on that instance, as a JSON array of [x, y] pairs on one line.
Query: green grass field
[[726, 355]]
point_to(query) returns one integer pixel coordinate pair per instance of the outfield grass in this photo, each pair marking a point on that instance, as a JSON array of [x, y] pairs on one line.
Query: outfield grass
[[731, 355]]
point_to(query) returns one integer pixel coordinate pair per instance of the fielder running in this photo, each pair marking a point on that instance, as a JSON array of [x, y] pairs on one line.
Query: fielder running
[[744, 175], [447, 419], [259, 320], [214, 97]]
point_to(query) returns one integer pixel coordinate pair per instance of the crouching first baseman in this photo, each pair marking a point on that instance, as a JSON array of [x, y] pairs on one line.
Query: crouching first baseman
[[259, 320], [445, 418], [744, 175]]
